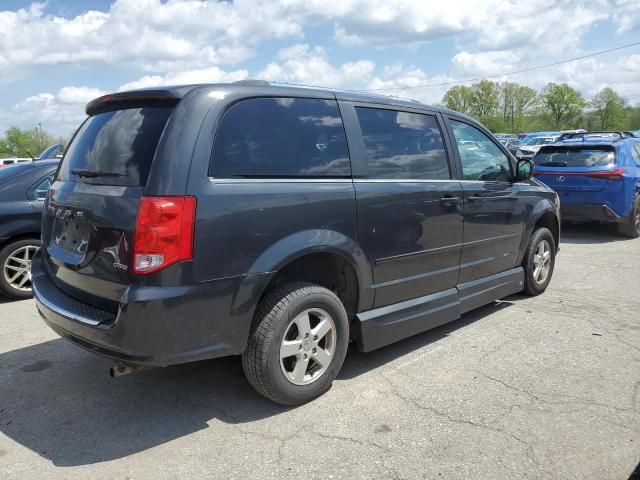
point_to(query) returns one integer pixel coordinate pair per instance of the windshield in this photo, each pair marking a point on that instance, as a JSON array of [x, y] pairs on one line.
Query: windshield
[[576, 157], [115, 148]]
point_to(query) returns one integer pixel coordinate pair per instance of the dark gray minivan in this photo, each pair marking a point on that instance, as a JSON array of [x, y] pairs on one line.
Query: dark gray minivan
[[279, 223]]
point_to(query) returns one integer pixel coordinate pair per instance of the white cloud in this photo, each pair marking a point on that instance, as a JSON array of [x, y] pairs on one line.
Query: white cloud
[[311, 66], [173, 35], [201, 75], [60, 113]]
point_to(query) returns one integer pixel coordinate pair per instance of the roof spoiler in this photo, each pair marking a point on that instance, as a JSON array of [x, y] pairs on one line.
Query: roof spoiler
[[141, 98]]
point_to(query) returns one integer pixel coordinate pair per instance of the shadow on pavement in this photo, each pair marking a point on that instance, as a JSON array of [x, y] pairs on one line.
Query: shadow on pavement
[[590, 233], [58, 400]]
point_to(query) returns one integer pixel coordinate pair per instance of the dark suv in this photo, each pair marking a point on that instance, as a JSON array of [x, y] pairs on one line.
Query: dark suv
[[280, 223]]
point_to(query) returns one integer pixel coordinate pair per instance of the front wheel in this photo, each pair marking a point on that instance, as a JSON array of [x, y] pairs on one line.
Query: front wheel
[[539, 261], [631, 227], [297, 343]]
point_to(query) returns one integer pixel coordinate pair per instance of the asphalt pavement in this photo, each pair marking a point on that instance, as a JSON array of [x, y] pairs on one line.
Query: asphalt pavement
[[545, 387]]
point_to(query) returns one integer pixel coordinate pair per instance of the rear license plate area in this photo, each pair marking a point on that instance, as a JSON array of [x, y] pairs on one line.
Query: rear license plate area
[[71, 236]]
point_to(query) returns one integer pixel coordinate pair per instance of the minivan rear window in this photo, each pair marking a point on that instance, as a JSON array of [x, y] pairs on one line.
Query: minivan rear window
[[575, 157], [116, 147]]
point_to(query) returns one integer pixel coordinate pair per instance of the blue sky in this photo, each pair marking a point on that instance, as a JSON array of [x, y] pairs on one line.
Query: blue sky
[[57, 55]]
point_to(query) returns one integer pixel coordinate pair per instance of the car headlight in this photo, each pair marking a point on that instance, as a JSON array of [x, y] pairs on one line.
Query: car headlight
[[518, 154]]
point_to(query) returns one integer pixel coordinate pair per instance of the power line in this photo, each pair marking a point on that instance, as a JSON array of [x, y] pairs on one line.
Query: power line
[[476, 79]]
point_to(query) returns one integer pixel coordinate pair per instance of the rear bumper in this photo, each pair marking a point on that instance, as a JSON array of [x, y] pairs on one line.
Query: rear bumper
[[586, 212], [154, 326]]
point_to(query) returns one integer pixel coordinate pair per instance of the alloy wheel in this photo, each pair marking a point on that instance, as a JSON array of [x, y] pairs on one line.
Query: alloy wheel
[[17, 268], [542, 262], [308, 346]]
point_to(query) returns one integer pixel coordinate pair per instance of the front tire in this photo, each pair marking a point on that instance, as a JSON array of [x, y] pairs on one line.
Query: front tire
[[539, 261], [15, 262], [631, 227], [297, 343]]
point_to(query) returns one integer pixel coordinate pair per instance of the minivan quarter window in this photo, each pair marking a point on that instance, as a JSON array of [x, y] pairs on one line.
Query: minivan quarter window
[[480, 157], [281, 137], [402, 145]]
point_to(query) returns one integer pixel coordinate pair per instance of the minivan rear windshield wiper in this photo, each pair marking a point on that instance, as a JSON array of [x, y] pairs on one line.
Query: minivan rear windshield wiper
[[553, 164], [96, 173]]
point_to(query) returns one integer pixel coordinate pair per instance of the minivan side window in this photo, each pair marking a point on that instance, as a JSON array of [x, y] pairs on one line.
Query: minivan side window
[[402, 145], [481, 158], [281, 137]]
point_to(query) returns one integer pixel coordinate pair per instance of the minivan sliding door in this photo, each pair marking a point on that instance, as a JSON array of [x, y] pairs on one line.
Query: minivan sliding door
[[409, 207]]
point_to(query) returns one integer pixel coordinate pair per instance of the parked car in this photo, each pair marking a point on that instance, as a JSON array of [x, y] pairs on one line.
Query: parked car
[[504, 136], [529, 148], [22, 191], [532, 135], [225, 223], [512, 144], [597, 178], [569, 133]]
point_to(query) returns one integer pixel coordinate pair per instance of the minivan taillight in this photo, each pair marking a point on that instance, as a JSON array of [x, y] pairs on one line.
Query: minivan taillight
[[163, 233]]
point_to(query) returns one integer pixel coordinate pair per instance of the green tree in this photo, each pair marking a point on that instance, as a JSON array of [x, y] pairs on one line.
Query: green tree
[[506, 95], [459, 98], [525, 100], [562, 103], [484, 99], [609, 108], [19, 142]]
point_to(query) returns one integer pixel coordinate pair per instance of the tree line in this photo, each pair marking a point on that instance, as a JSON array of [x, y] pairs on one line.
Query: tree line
[[513, 108], [19, 142]]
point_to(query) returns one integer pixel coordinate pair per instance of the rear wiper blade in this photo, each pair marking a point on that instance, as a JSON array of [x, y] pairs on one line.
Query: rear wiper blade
[[553, 164], [95, 173]]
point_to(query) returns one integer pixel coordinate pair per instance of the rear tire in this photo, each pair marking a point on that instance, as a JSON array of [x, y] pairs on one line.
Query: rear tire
[[297, 344], [631, 227], [539, 262], [15, 262]]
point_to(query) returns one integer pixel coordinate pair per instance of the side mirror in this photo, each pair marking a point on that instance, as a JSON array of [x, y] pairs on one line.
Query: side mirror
[[524, 170]]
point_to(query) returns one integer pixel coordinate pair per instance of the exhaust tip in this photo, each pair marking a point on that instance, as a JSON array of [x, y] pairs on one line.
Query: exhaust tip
[[120, 370]]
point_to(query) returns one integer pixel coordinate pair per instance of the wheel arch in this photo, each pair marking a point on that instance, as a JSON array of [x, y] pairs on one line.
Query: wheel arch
[[544, 214], [309, 247], [17, 237]]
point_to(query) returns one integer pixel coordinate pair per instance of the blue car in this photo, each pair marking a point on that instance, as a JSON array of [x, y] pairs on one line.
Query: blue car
[[597, 178]]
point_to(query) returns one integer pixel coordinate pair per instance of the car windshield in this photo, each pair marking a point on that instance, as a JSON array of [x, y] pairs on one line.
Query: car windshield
[[576, 157]]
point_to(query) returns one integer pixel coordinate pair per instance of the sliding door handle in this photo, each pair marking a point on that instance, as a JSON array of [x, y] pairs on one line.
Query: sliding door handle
[[449, 201]]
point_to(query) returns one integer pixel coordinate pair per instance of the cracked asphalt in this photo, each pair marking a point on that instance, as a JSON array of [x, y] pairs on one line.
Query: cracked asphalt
[[545, 387]]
